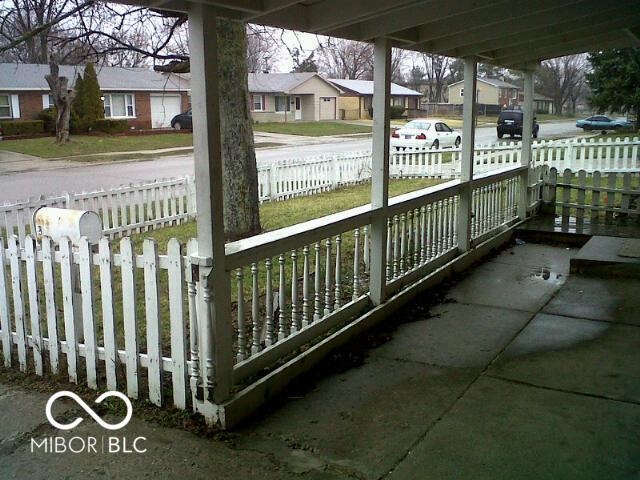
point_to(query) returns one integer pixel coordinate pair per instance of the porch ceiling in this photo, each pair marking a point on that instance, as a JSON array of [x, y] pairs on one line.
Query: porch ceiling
[[503, 32]]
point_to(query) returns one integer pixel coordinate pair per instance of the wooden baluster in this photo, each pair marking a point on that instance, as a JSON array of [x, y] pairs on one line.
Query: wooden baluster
[[282, 300], [256, 344], [317, 293], [356, 264], [429, 252], [305, 286], [242, 339], [396, 245], [388, 270], [194, 365], [365, 248], [268, 318], [295, 321], [328, 280], [423, 234], [338, 272], [403, 241]]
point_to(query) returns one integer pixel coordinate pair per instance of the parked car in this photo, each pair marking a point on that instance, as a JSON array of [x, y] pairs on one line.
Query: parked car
[[182, 121], [510, 123], [425, 133], [600, 122]]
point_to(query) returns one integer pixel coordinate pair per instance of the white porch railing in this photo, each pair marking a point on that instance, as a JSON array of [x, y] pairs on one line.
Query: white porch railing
[[128, 320]]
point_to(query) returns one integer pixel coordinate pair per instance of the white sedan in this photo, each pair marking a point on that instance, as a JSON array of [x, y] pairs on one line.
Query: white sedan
[[425, 133]]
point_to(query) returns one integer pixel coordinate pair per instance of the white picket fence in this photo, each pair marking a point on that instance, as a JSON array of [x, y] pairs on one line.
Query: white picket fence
[[98, 316], [134, 208]]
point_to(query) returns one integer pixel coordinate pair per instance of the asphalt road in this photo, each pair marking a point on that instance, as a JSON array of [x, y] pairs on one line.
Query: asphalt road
[[22, 185]]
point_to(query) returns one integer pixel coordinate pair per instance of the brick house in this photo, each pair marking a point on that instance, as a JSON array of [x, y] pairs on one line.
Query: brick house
[[144, 98]]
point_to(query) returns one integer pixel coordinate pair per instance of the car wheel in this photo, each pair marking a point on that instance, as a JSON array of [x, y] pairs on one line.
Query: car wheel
[[500, 134], [512, 135], [435, 144], [458, 140], [604, 132], [177, 126]]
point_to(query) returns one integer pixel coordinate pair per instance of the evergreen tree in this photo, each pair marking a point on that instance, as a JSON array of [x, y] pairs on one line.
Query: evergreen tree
[[87, 106], [615, 80], [76, 107]]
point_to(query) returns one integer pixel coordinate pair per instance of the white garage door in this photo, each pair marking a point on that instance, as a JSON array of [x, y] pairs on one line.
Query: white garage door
[[327, 108], [163, 109]]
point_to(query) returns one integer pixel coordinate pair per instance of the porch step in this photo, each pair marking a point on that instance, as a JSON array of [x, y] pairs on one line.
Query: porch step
[[608, 257]]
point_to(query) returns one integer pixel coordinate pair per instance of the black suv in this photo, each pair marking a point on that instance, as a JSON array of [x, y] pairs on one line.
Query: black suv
[[510, 123]]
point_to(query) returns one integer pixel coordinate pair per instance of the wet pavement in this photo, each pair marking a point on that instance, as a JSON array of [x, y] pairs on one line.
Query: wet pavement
[[523, 371]]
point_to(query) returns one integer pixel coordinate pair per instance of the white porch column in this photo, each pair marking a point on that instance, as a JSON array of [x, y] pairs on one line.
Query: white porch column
[[466, 159], [214, 306], [380, 168], [527, 133]]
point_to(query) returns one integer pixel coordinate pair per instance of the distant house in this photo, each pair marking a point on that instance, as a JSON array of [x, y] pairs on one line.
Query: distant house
[[288, 97], [490, 91], [357, 98], [543, 104], [144, 98]]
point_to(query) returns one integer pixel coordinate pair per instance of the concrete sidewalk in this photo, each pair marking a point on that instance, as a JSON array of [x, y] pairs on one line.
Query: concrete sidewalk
[[522, 372]]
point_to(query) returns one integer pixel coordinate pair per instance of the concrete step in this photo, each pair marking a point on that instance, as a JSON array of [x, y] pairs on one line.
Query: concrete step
[[608, 257]]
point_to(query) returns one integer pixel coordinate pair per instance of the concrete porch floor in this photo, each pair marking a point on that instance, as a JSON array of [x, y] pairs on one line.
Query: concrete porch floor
[[522, 372]]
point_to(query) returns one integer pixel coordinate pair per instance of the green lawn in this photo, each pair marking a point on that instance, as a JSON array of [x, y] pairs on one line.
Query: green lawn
[[88, 144], [311, 129]]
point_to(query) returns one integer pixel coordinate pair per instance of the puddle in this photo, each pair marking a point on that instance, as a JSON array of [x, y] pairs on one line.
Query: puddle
[[547, 275]]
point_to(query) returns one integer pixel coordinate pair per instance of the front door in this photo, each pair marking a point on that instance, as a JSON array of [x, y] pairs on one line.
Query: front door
[[297, 108]]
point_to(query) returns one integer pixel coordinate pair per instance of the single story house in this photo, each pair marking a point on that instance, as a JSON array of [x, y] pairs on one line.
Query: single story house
[[144, 98], [490, 91], [357, 98], [286, 97], [543, 104]]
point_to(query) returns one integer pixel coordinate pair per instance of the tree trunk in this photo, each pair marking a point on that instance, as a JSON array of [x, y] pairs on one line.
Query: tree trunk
[[62, 99], [240, 173]]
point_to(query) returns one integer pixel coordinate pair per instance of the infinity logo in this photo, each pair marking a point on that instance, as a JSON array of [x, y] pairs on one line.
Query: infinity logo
[[88, 409]]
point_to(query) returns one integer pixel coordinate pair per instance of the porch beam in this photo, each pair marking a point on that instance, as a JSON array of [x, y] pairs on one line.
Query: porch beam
[[489, 38], [380, 169], [214, 305], [524, 55], [527, 141], [463, 216]]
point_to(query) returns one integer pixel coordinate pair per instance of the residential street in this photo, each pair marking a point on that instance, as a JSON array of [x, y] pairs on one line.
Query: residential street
[[32, 183]]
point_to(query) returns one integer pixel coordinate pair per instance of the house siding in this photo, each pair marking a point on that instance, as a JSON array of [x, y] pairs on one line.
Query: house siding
[[31, 105]]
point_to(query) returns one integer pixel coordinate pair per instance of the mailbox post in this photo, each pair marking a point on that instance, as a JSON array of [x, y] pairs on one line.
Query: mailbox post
[[58, 223]]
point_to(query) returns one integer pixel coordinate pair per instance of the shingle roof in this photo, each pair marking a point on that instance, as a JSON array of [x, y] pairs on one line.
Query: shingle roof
[[278, 82], [28, 76], [496, 82], [365, 87]]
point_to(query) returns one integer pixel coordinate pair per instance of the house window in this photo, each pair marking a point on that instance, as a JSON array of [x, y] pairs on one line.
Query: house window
[[397, 101], [47, 101], [5, 106], [119, 105], [282, 104], [257, 103], [462, 92]]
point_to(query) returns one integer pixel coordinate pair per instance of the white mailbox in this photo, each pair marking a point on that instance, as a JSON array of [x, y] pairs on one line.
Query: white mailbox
[[57, 223]]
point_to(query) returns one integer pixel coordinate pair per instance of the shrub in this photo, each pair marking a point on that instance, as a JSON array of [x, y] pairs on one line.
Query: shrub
[[22, 127], [87, 104], [394, 112], [110, 126], [48, 118]]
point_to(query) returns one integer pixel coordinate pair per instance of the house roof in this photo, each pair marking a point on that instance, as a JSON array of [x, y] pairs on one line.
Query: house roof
[[365, 87], [29, 76], [280, 82], [495, 82], [514, 35]]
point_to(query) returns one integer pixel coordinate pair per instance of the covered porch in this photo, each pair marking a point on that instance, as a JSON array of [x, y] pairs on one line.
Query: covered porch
[[331, 279], [249, 317]]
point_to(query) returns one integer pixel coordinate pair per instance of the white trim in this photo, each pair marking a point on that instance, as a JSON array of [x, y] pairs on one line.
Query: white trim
[[8, 95], [262, 102], [126, 105], [15, 105]]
